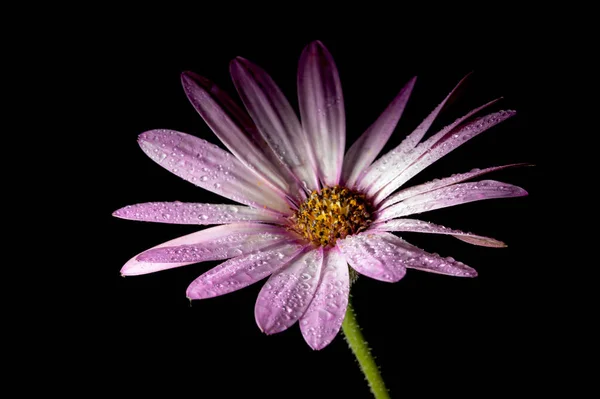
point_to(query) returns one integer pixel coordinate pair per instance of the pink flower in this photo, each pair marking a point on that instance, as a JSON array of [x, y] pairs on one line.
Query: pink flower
[[309, 210]]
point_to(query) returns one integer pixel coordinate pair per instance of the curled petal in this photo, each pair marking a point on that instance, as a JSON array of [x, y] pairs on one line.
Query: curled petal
[[195, 213], [433, 150], [383, 256], [275, 118], [369, 144], [419, 226], [439, 183], [456, 194], [208, 166], [288, 292], [325, 314], [236, 130], [238, 239], [322, 109], [242, 271]]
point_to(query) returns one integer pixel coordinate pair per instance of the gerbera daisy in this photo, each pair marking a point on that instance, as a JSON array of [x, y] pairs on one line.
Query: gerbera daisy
[[312, 217]]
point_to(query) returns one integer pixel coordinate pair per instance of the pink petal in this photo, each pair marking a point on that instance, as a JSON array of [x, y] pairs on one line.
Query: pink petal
[[393, 160], [136, 267], [419, 226], [383, 256], [288, 292], [239, 239], [439, 183], [194, 213], [457, 194], [237, 131], [369, 144], [323, 318], [322, 109], [374, 257], [440, 145], [242, 271], [275, 118], [207, 166]]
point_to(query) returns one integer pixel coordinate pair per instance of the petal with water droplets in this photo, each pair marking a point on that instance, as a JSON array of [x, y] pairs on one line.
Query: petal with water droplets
[[369, 144], [456, 194], [383, 256], [439, 183], [275, 118], [195, 213], [208, 166], [137, 267], [325, 314], [322, 109], [242, 271], [234, 127], [238, 239], [440, 145], [288, 292], [396, 159], [371, 256], [419, 226]]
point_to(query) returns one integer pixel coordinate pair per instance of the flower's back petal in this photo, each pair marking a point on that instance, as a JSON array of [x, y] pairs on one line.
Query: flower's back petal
[[393, 160], [419, 226], [369, 144], [242, 271], [456, 194], [237, 131], [239, 239], [136, 267], [383, 255], [322, 109], [439, 183], [288, 292], [371, 256], [275, 119], [208, 166], [325, 314], [195, 213], [440, 145]]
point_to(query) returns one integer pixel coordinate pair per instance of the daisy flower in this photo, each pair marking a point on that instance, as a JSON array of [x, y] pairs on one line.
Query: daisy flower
[[312, 216]]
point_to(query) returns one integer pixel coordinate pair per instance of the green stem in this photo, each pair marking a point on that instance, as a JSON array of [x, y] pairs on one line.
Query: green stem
[[361, 350]]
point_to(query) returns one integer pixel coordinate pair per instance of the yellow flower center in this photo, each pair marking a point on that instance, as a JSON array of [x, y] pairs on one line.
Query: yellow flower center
[[334, 212]]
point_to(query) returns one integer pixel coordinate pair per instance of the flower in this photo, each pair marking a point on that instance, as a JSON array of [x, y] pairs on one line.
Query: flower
[[309, 210]]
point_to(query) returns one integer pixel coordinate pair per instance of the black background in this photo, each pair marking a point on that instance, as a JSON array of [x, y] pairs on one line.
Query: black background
[[429, 333]]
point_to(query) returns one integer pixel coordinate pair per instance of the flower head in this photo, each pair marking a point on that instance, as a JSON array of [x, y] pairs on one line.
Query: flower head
[[309, 210]]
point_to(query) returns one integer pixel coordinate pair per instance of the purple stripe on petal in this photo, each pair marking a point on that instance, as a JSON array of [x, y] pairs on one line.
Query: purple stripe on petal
[[288, 292], [457, 194], [239, 239], [393, 160], [194, 213], [275, 118], [419, 226], [208, 166], [323, 318], [237, 131], [440, 145], [369, 144], [322, 109], [242, 271], [439, 183], [383, 256], [136, 267]]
